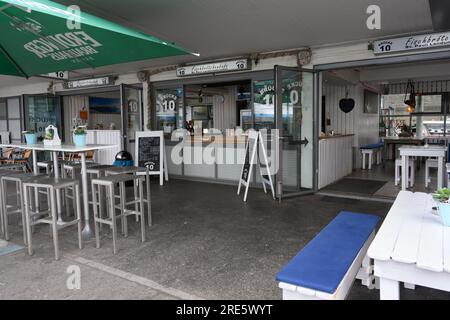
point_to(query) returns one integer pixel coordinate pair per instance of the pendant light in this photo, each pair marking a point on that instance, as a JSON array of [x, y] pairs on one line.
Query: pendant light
[[411, 100]]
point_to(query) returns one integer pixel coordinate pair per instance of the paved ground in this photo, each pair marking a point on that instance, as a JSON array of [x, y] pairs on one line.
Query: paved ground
[[205, 243]]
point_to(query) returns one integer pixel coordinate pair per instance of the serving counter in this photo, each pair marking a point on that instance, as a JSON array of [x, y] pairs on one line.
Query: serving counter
[[228, 155], [335, 158]]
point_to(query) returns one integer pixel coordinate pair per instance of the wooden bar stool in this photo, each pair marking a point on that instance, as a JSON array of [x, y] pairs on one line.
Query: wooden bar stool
[[51, 185], [110, 183]]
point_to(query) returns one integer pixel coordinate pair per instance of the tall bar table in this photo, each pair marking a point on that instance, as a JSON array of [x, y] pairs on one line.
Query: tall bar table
[[66, 148]]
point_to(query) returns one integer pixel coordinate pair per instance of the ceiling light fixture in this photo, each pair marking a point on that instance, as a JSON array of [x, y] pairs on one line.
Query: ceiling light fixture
[[411, 100]]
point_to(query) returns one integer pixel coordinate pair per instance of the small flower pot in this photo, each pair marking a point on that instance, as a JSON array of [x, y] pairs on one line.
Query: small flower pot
[[30, 138], [79, 140], [444, 212]]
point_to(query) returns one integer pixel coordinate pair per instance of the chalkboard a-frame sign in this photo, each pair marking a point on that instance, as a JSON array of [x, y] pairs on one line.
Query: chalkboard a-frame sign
[[255, 157], [151, 152]]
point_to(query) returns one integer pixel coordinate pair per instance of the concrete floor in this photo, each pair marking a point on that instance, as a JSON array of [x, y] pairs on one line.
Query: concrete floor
[[205, 243]]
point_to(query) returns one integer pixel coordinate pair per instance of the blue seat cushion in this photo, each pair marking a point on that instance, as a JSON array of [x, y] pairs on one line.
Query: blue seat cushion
[[323, 262], [373, 146]]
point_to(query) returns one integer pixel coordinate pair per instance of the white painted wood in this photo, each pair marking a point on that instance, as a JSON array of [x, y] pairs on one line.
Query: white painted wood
[[430, 253], [389, 289], [410, 273], [110, 137], [335, 159], [446, 249], [412, 246], [409, 286], [408, 239], [384, 243]]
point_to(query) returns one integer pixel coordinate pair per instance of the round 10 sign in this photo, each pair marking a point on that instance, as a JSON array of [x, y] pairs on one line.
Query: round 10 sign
[[168, 102]]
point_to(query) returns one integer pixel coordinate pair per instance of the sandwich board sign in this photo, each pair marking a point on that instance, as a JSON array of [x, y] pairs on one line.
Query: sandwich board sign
[[253, 151], [151, 153]]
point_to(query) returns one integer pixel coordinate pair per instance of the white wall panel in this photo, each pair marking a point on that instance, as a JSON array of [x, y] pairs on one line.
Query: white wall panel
[[111, 137], [335, 160]]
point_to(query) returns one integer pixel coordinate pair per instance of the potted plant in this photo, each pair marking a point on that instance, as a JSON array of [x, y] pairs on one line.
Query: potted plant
[[79, 136], [405, 131], [30, 136], [442, 196]]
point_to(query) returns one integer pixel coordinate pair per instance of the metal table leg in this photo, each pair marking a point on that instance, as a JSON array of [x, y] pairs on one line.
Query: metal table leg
[[58, 192], [36, 172], [87, 231]]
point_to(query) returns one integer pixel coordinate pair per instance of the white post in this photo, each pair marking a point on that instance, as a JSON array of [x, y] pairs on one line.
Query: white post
[[405, 170], [389, 289]]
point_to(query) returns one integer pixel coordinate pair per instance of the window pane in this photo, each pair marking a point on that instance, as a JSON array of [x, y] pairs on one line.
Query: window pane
[[43, 111], [14, 108], [169, 110], [3, 109], [264, 104], [429, 103]]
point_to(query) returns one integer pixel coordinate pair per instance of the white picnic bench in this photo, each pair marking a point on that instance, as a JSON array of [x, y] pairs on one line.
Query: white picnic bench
[[412, 247]]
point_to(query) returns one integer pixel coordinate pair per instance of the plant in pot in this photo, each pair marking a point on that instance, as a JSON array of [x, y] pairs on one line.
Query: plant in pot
[[30, 136], [442, 196], [405, 131], [79, 136]]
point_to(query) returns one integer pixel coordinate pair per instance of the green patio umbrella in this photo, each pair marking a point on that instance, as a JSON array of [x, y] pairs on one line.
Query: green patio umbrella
[[39, 36]]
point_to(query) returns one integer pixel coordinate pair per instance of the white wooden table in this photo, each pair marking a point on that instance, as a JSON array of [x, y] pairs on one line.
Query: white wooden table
[[66, 148], [412, 246], [422, 151]]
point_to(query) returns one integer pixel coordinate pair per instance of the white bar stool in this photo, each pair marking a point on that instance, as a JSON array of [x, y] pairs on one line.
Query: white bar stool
[[369, 153], [398, 176], [429, 163]]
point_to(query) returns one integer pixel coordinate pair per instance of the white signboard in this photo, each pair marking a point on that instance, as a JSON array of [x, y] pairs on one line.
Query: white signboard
[[426, 41], [59, 75], [94, 82], [216, 67]]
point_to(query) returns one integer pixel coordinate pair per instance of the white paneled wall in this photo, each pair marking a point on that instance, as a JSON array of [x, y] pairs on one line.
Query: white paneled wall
[[113, 137], [364, 126], [335, 160]]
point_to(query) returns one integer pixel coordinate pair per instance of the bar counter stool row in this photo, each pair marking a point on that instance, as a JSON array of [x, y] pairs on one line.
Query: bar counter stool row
[[108, 186]]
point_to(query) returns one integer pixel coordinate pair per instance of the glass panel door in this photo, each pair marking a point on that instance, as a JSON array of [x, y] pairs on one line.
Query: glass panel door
[[131, 115], [296, 124]]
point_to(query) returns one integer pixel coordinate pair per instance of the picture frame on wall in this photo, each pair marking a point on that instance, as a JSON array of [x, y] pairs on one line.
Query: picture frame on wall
[[371, 102]]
